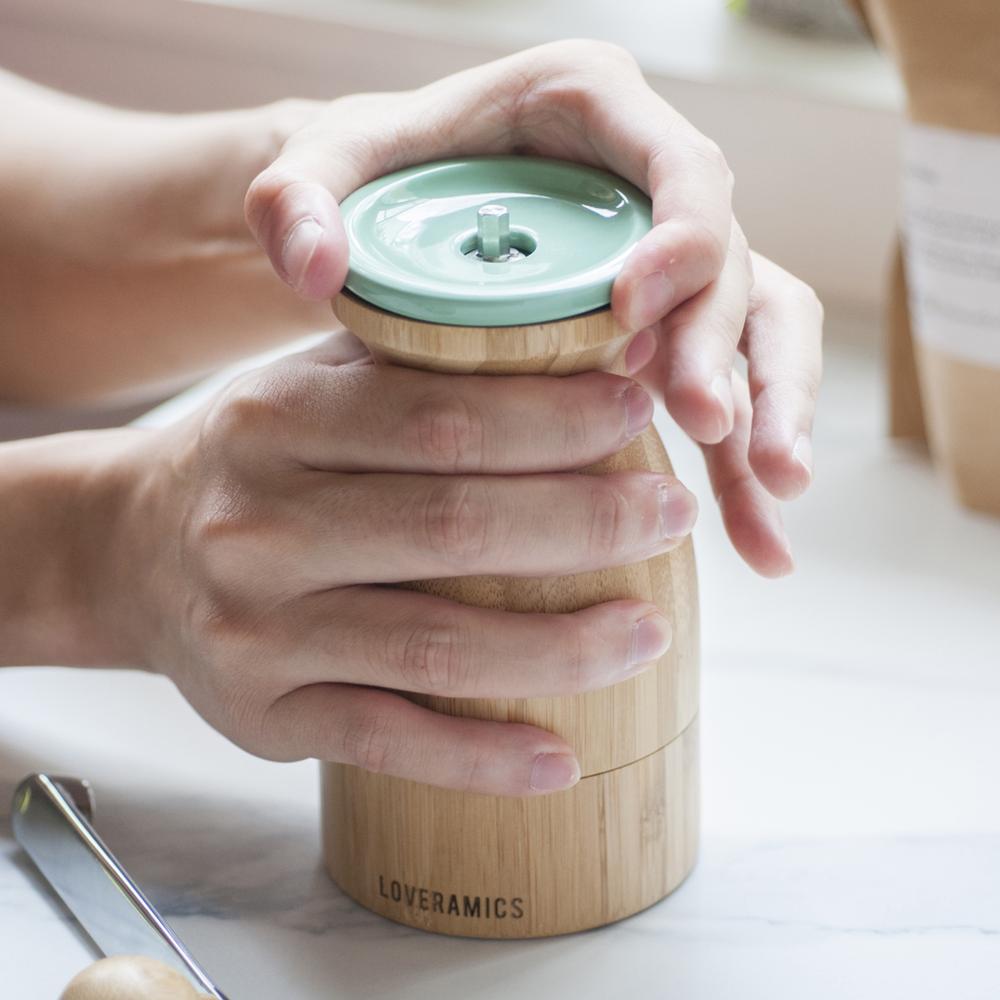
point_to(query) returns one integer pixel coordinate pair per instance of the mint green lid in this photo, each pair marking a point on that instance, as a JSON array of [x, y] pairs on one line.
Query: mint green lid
[[492, 241]]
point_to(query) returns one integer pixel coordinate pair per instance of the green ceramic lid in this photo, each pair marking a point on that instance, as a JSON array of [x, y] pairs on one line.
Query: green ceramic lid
[[492, 241]]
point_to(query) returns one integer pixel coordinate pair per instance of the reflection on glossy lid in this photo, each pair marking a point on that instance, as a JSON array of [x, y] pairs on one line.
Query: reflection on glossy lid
[[492, 241]]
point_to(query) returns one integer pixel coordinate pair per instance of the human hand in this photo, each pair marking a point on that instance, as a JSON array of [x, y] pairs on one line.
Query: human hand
[[691, 290], [275, 516]]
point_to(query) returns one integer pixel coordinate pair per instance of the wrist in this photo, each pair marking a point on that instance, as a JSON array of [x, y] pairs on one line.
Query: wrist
[[208, 162], [63, 499], [157, 190]]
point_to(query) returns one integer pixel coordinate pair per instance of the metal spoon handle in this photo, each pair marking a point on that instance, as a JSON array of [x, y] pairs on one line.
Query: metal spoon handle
[[52, 822]]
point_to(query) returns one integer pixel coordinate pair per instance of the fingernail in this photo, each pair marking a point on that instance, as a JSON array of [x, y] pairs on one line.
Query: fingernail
[[678, 510], [638, 410], [651, 299], [789, 566], [640, 351], [650, 640], [803, 453], [722, 389], [779, 530], [554, 771], [298, 249]]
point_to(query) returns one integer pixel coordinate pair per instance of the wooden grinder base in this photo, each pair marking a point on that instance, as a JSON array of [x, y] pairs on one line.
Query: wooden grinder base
[[626, 835], [486, 866]]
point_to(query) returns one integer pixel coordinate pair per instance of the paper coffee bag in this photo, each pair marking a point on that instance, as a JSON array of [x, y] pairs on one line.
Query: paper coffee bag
[[944, 322]]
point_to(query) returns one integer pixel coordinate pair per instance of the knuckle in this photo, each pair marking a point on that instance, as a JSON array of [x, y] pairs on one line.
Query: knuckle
[[237, 644], [716, 340], [740, 247], [575, 421], [261, 195], [245, 711], [252, 405], [219, 529], [271, 197], [448, 433], [782, 390], [806, 383], [455, 520], [228, 415], [570, 77], [216, 624], [225, 535], [589, 53], [474, 767], [368, 740], [727, 488], [360, 147], [704, 244], [604, 53], [811, 302], [721, 337], [430, 658], [577, 642], [710, 153], [609, 528]]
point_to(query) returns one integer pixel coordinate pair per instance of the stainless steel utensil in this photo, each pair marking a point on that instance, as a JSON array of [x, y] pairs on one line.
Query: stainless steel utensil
[[52, 819]]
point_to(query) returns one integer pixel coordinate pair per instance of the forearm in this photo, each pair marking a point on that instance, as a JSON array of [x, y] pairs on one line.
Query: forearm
[[125, 261], [60, 499]]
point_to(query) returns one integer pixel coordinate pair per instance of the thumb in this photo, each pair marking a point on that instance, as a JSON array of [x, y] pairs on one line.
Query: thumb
[[293, 214]]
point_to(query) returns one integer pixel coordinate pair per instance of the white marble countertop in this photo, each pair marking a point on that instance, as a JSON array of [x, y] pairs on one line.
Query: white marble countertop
[[851, 725]]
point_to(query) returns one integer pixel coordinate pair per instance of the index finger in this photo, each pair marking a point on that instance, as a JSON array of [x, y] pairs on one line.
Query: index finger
[[354, 417], [691, 186]]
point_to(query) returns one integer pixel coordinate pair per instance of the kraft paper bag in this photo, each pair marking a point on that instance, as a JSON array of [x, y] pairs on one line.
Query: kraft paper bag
[[944, 315]]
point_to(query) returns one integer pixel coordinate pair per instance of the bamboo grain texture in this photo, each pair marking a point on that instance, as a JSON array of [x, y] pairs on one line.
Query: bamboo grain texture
[[441, 860], [626, 834]]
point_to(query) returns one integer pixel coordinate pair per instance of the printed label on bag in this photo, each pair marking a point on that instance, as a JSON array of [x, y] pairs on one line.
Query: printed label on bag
[[951, 228]]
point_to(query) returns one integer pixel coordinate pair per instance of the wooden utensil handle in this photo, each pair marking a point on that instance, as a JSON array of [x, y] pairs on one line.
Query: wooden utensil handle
[[126, 977]]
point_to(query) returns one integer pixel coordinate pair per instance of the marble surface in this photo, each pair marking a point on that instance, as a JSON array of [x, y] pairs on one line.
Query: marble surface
[[851, 774]]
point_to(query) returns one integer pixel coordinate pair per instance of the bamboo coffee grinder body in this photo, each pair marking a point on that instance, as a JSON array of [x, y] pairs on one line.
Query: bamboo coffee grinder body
[[498, 266]]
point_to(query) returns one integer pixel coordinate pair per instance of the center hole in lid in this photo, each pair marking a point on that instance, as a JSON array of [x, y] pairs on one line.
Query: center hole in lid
[[522, 244]]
